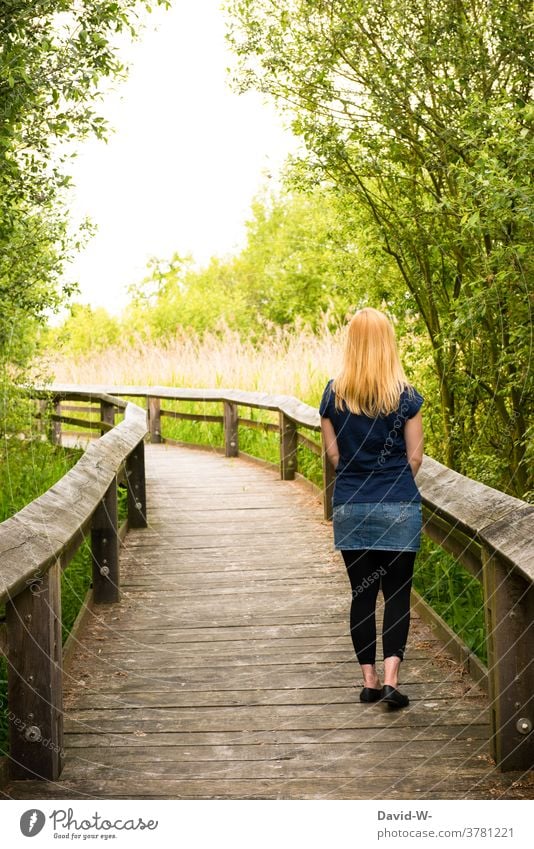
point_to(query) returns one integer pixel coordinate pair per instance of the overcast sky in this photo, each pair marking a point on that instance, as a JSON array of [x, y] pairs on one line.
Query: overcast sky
[[185, 160]]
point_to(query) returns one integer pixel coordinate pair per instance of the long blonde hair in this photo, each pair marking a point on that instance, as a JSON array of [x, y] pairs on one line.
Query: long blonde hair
[[372, 377]]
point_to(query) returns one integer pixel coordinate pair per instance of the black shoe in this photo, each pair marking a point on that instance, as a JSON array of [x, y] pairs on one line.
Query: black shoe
[[393, 698], [368, 694]]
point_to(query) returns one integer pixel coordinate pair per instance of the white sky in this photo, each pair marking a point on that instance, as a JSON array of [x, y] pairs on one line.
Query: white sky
[[185, 160]]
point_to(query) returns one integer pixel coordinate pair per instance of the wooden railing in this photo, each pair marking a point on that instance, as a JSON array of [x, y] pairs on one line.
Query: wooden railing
[[487, 531], [36, 545]]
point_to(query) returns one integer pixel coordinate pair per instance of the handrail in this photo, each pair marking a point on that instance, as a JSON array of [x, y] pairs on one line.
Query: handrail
[[488, 531], [35, 545]]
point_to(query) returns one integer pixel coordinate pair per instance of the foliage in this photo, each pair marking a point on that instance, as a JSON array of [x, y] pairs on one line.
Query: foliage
[[306, 255], [420, 114], [54, 56], [87, 329]]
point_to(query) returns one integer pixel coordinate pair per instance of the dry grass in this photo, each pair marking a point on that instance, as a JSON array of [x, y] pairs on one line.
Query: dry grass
[[294, 363]]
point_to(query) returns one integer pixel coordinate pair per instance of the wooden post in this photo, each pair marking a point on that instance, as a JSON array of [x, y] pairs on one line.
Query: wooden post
[[54, 428], [35, 684], [329, 477], [107, 415], [135, 473], [154, 419], [105, 548], [288, 448], [231, 437], [509, 610], [43, 415]]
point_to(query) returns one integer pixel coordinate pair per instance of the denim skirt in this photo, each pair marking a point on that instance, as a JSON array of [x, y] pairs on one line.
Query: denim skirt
[[384, 525]]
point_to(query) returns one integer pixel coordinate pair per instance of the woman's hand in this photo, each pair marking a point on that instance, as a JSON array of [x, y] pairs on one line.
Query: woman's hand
[[413, 437], [330, 441]]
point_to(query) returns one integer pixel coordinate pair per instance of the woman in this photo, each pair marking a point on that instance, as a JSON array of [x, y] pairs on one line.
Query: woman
[[373, 435]]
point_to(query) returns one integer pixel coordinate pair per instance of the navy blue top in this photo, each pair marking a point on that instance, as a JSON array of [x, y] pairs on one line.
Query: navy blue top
[[373, 465]]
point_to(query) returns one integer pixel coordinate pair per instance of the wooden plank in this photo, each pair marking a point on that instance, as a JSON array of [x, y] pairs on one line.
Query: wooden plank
[[288, 448], [80, 408], [162, 698], [344, 765], [231, 432], [509, 608], [191, 417], [451, 751], [107, 416], [329, 478], [154, 419], [264, 717], [111, 676], [253, 424], [418, 787], [35, 679], [3, 638], [136, 483], [102, 426], [442, 735], [105, 548], [312, 446]]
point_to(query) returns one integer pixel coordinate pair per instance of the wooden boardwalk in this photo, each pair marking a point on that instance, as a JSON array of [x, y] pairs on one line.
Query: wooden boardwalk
[[227, 670]]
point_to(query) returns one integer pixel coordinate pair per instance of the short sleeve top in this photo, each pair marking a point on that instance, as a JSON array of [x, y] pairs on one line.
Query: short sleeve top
[[373, 464]]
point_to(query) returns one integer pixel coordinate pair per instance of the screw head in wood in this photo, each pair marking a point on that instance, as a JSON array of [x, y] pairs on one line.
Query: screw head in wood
[[104, 570], [524, 725], [32, 734], [138, 505]]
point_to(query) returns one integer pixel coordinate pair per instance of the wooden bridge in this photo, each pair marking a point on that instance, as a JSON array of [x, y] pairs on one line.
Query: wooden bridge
[[212, 656]]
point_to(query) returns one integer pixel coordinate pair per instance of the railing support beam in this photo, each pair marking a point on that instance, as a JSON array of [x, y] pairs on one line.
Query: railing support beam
[[35, 689], [288, 448], [105, 548], [135, 473], [329, 477], [231, 433], [107, 415], [154, 419], [509, 610]]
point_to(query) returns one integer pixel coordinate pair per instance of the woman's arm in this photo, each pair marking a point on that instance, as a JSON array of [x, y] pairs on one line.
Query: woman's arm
[[330, 441], [413, 437]]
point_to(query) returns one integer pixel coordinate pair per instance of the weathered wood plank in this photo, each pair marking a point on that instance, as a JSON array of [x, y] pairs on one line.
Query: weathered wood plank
[[325, 695], [422, 787], [35, 683], [438, 736]]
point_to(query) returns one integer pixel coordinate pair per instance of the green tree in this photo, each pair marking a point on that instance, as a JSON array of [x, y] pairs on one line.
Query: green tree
[[86, 329], [54, 55], [420, 112]]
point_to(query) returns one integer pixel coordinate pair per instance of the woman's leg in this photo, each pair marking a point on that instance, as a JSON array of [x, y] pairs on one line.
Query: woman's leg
[[365, 583], [396, 587]]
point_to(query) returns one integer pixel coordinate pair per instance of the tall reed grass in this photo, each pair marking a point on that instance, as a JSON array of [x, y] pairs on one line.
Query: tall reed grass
[[285, 362]]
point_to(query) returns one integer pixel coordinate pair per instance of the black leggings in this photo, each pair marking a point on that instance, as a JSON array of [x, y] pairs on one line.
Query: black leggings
[[368, 569]]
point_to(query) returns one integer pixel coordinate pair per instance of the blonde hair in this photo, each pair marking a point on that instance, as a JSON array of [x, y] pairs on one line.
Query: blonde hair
[[372, 377]]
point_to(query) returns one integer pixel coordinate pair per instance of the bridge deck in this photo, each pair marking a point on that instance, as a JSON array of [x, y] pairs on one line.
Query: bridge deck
[[227, 670]]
